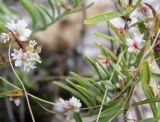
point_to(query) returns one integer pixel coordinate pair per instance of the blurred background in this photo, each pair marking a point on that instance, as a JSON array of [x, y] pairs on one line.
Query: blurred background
[[64, 47]]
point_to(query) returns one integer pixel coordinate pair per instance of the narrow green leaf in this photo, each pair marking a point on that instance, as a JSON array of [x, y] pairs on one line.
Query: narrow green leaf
[[95, 67], [28, 5], [85, 82], [105, 36], [148, 90], [102, 17], [104, 69], [74, 92], [108, 52], [146, 73], [77, 117], [110, 112], [149, 93], [150, 100], [42, 16], [149, 120], [89, 96], [52, 7]]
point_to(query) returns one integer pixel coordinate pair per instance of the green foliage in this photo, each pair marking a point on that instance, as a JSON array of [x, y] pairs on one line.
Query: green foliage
[[77, 117], [124, 70], [148, 90], [42, 15], [110, 112], [6, 14], [149, 120], [102, 18]]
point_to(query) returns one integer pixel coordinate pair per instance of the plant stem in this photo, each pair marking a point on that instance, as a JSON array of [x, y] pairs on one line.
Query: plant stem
[[25, 91], [104, 97]]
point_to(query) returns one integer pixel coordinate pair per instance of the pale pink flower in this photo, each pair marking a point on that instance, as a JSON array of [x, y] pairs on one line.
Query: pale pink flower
[[68, 107], [134, 44]]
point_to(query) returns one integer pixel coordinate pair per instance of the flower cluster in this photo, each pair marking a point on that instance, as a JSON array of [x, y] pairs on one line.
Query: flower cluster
[[15, 96], [27, 55], [19, 29], [68, 107], [26, 59], [135, 44]]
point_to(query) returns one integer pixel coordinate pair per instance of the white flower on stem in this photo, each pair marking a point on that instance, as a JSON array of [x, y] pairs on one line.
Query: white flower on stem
[[135, 44], [5, 37], [19, 29], [25, 59], [15, 99], [68, 106]]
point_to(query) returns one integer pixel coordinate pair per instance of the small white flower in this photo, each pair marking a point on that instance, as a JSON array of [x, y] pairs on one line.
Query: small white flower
[[135, 44], [5, 37], [19, 29], [16, 100], [118, 85], [69, 107], [25, 60]]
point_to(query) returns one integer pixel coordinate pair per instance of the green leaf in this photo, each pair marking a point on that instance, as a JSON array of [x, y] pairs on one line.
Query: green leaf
[[104, 69], [29, 6], [85, 92], [16, 92], [74, 92], [149, 93], [110, 113], [75, 2], [95, 67], [146, 73], [86, 83], [142, 27], [6, 94], [41, 15], [77, 117], [149, 120], [150, 100], [105, 36], [107, 52], [102, 17]]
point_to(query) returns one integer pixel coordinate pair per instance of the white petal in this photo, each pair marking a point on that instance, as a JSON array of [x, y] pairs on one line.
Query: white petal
[[27, 33], [17, 101], [129, 42], [18, 63], [131, 49]]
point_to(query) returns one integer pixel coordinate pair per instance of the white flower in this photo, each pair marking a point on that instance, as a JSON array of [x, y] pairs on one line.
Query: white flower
[[69, 107], [19, 29], [5, 37], [25, 60], [16, 100], [135, 44]]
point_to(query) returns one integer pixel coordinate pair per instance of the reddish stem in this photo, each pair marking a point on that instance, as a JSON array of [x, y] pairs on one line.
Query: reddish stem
[[18, 41]]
